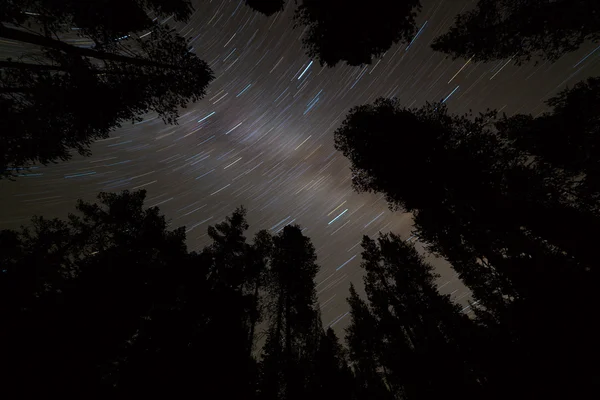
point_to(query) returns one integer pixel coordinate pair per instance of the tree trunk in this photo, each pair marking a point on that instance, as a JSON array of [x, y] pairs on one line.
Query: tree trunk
[[279, 317], [39, 40], [288, 349], [254, 317]]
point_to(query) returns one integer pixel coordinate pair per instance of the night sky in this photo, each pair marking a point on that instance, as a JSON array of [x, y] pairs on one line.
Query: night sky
[[263, 137]]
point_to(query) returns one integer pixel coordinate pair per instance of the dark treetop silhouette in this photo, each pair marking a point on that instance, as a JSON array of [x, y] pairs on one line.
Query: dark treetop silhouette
[[488, 199], [267, 7], [352, 32], [50, 97], [355, 32], [111, 303], [113, 300], [521, 30], [410, 335]]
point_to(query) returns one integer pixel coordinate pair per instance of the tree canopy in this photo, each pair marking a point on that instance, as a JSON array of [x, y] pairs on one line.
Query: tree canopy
[[408, 330], [487, 196], [51, 94], [110, 303], [566, 138], [337, 31], [73, 292], [521, 30], [355, 33], [294, 324], [112, 299], [267, 7]]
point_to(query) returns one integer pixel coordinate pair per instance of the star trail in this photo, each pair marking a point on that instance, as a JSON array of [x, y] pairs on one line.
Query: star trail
[[262, 137]]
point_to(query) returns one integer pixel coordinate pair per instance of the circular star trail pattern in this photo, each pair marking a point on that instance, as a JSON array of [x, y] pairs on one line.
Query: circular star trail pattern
[[263, 137]]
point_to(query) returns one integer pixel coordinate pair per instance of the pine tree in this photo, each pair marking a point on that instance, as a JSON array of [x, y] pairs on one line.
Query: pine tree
[[498, 214], [357, 32], [231, 313], [267, 7], [73, 292], [365, 347], [564, 140], [257, 276], [331, 375], [294, 324], [50, 97], [521, 30], [421, 330]]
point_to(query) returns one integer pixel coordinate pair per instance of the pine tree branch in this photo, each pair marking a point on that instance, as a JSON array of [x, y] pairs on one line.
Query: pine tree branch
[[25, 37]]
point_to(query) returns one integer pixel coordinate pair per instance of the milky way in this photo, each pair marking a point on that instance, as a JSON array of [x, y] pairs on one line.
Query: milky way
[[263, 137]]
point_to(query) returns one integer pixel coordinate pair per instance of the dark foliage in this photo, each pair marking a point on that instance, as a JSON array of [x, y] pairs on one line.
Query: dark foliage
[[355, 32], [565, 139], [50, 96], [110, 303], [74, 292], [417, 338], [267, 7], [294, 323], [521, 30], [112, 299], [331, 375], [364, 350], [502, 215], [93, 18]]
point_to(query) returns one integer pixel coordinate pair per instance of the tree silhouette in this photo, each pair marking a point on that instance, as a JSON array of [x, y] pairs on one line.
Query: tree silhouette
[[422, 345], [74, 292], [257, 280], [232, 280], [500, 216], [113, 299], [267, 7], [294, 323], [355, 32], [51, 96], [364, 344], [566, 138], [521, 30], [91, 18], [332, 375]]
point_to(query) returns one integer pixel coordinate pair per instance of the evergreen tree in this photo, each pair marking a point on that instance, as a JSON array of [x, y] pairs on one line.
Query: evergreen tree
[[565, 140], [92, 17], [73, 292], [332, 376], [501, 218], [365, 347], [267, 7], [521, 30], [355, 32], [112, 299], [257, 279], [424, 347], [229, 357], [50, 97], [294, 323]]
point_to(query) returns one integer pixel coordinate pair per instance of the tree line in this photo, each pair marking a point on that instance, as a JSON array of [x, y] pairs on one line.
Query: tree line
[[513, 204], [132, 63], [111, 303]]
